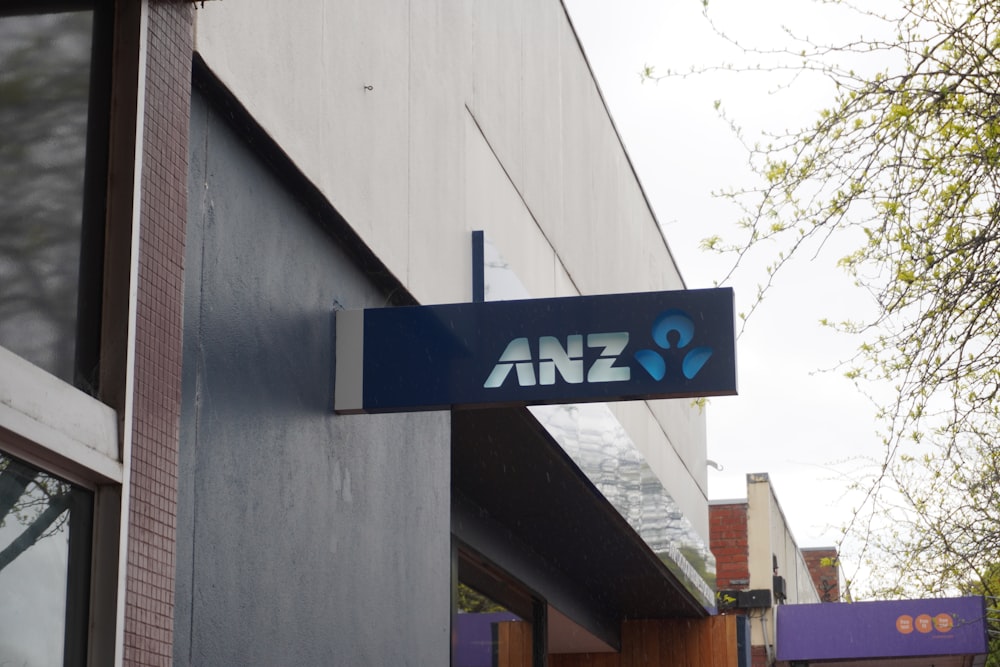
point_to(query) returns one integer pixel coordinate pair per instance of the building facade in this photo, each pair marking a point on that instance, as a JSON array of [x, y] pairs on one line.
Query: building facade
[[95, 106], [195, 191]]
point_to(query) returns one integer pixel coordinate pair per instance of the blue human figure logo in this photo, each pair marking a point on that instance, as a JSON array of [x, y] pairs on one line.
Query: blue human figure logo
[[673, 329]]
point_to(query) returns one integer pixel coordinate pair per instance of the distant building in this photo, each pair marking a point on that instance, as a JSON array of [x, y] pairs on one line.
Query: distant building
[[824, 566], [759, 566], [766, 578]]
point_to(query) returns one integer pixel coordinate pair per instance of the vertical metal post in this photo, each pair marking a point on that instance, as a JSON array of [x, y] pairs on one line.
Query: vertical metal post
[[454, 600], [539, 633], [478, 267]]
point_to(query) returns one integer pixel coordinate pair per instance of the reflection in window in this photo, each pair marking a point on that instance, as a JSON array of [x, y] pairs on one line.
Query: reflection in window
[[44, 89], [487, 634], [45, 528]]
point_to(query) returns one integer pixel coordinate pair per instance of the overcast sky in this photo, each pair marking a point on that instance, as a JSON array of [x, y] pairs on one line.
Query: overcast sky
[[801, 425]]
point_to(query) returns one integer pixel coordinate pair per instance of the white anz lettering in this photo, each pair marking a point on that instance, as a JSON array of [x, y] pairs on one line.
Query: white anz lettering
[[603, 368], [518, 351], [567, 360], [552, 356]]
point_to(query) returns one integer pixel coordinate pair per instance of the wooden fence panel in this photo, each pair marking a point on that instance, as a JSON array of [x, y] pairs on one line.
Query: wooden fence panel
[[514, 644], [703, 642]]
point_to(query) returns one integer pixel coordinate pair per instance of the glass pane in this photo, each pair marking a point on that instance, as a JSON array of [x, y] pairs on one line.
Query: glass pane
[[39, 529], [44, 87], [487, 634]]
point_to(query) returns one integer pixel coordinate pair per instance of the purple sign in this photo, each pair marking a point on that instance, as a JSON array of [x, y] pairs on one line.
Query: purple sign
[[884, 629]]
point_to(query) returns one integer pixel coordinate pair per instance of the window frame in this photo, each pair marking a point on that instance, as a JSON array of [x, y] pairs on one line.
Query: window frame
[[80, 431], [76, 618], [482, 575]]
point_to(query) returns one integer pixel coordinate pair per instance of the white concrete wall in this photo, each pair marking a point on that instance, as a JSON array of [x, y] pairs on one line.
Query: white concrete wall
[[422, 121], [769, 536]]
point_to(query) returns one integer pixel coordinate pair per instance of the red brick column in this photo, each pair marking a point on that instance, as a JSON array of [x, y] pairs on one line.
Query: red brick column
[[149, 601], [823, 564], [727, 535]]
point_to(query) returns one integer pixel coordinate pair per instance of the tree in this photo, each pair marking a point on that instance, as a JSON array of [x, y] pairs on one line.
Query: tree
[[907, 159], [471, 601], [989, 586]]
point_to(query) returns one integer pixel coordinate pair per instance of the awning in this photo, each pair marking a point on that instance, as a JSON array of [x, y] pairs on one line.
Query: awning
[[519, 499]]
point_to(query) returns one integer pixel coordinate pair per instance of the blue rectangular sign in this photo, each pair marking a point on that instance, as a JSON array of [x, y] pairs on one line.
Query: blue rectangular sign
[[536, 351]]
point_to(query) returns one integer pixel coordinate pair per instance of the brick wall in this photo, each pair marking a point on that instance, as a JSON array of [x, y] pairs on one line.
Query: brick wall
[[727, 534], [149, 594], [728, 541], [824, 567]]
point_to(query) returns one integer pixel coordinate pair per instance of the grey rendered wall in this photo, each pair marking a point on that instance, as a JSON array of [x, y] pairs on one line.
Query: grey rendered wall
[[487, 116], [303, 538]]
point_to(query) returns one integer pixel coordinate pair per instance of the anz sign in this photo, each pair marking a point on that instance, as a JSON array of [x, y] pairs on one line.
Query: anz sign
[[672, 329], [535, 351]]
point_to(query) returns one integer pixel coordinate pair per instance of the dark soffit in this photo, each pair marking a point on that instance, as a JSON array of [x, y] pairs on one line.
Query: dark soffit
[[505, 462]]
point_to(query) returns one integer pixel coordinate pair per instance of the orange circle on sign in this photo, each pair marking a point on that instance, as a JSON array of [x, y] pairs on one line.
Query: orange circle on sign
[[944, 622], [904, 624], [923, 623]]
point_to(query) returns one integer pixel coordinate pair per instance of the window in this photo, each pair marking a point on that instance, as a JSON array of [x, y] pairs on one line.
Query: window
[[53, 165], [45, 534], [497, 622], [487, 634], [59, 430]]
